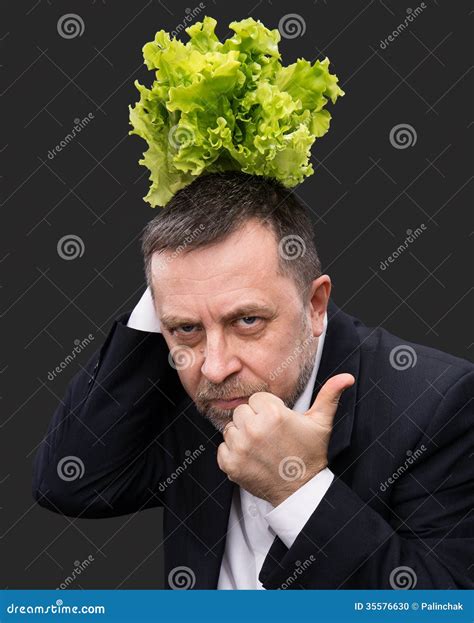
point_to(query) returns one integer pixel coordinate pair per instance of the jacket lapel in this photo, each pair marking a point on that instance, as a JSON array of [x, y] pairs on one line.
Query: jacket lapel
[[340, 354]]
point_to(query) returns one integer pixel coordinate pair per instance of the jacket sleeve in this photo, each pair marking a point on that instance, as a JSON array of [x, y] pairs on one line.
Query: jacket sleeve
[[428, 540], [101, 455]]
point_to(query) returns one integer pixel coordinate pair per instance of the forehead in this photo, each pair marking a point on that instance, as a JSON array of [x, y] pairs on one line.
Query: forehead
[[245, 262], [248, 252]]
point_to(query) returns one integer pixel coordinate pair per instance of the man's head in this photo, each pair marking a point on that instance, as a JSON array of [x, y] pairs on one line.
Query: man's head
[[237, 285]]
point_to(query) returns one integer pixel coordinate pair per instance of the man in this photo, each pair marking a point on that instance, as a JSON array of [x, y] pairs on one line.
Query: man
[[290, 445]]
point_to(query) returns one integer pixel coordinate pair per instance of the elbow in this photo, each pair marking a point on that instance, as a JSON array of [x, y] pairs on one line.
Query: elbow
[[54, 494]]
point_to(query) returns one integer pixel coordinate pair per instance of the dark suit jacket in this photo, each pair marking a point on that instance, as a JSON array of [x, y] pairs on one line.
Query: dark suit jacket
[[401, 450]]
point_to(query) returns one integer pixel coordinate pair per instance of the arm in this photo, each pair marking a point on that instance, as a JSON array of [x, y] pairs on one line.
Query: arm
[[113, 411], [429, 537]]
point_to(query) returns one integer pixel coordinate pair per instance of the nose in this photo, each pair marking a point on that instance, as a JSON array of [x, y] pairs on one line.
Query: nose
[[219, 361]]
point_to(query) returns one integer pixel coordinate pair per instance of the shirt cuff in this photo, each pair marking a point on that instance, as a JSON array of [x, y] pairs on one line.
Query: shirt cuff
[[143, 317], [288, 518]]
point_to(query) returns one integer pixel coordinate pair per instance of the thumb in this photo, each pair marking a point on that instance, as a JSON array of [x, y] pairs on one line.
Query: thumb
[[325, 405]]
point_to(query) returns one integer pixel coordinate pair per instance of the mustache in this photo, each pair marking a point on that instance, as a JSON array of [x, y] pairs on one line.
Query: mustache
[[228, 390]]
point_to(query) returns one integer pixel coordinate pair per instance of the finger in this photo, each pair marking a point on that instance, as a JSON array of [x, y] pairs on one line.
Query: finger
[[264, 401], [227, 426], [229, 433], [243, 414], [325, 405], [223, 457]]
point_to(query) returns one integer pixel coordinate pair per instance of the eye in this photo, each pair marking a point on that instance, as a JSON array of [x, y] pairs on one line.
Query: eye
[[186, 329], [249, 321]]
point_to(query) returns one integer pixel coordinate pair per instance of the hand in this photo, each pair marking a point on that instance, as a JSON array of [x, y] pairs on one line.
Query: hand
[[270, 450]]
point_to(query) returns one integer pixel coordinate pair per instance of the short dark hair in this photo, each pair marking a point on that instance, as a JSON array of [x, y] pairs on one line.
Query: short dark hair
[[216, 205]]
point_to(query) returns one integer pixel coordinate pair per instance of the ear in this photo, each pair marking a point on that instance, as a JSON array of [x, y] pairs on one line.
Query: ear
[[320, 291]]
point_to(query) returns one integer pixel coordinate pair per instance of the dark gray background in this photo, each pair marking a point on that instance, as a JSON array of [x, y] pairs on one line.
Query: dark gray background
[[364, 195]]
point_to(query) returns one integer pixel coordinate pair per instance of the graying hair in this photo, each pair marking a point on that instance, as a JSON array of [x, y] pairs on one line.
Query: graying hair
[[216, 205]]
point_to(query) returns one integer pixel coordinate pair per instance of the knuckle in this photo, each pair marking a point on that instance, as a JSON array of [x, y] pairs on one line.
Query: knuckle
[[257, 399], [276, 414], [239, 411], [242, 445], [220, 458], [254, 432], [232, 469]]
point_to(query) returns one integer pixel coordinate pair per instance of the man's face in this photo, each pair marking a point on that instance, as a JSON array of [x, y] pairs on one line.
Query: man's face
[[233, 325]]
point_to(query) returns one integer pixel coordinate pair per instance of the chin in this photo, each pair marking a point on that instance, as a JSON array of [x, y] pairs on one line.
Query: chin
[[218, 417]]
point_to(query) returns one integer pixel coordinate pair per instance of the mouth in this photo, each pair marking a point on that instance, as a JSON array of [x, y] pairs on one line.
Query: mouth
[[229, 404]]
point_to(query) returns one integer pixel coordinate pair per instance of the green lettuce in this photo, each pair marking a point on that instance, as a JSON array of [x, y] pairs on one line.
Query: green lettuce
[[216, 107]]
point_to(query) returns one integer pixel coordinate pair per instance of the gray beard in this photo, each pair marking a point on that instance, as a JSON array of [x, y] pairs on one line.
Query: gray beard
[[219, 418]]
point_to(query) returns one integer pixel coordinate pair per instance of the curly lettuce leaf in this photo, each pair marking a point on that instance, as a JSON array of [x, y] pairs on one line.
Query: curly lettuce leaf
[[217, 106]]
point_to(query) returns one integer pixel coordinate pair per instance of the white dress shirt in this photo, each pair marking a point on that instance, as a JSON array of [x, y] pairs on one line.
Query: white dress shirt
[[253, 522]]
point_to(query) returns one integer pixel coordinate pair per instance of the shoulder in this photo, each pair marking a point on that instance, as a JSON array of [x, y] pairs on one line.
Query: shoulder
[[413, 385], [393, 352]]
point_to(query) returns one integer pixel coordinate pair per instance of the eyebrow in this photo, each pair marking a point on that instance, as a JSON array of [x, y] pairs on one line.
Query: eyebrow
[[172, 320]]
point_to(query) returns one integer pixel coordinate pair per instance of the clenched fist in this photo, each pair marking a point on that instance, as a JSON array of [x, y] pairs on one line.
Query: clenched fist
[[270, 450]]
